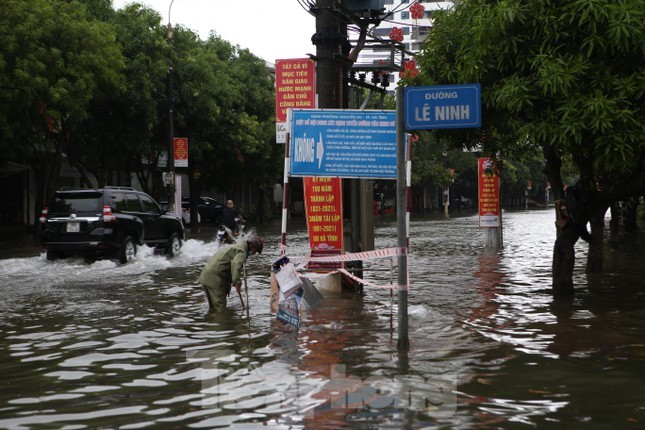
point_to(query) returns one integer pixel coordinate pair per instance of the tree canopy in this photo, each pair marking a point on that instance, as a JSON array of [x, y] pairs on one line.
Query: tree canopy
[[565, 77], [89, 84]]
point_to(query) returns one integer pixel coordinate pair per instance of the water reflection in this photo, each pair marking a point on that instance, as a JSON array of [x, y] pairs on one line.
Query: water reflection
[[134, 346]]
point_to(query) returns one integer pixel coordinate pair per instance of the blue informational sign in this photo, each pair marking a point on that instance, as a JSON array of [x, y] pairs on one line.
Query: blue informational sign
[[343, 143], [442, 106]]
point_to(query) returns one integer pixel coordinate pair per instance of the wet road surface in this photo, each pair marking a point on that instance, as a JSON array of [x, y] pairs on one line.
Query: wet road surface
[[134, 346]]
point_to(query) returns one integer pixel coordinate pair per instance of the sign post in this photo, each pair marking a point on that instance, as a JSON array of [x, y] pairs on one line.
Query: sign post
[[426, 108], [403, 343]]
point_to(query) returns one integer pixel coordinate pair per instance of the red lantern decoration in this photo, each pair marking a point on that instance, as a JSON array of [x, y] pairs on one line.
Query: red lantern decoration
[[396, 34], [410, 69], [416, 10]]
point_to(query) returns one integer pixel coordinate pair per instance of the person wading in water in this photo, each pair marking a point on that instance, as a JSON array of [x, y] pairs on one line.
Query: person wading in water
[[225, 269]]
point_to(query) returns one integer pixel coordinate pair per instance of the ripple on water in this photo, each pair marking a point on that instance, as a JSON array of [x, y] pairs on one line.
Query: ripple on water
[[489, 348]]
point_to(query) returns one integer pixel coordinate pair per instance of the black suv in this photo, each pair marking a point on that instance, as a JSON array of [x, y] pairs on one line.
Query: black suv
[[107, 223]]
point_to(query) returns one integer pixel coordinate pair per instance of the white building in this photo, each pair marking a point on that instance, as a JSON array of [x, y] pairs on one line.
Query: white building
[[414, 31]]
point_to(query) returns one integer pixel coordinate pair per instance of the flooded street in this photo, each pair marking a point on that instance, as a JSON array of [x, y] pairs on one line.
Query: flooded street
[[134, 346]]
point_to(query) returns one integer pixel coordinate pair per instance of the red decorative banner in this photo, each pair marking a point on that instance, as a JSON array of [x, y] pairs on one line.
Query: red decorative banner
[[295, 82], [488, 193], [180, 149], [324, 211]]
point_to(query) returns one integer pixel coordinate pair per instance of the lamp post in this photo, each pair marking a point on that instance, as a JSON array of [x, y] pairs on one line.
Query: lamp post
[[170, 163]]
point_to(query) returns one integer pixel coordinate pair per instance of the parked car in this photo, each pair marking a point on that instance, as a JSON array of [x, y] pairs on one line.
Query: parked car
[[107, 223], [210, 210], [461, 201], [185, 211]]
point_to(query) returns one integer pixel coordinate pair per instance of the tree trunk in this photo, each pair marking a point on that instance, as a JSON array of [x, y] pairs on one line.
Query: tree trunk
[[596, 245], [631, 215], [623, 219], [616, 224], [564, 255], [564, 258]]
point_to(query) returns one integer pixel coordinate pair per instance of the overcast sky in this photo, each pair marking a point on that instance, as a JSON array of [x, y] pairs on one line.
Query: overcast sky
[[270, 29]]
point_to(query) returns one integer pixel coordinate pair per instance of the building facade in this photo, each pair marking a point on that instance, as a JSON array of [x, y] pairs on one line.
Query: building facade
[[398, 15]]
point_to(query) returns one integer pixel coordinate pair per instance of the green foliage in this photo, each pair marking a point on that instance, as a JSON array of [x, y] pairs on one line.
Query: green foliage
[[122, 126], [85, 82], [226, 109], [56, 59], [565, 77], [432, 169]]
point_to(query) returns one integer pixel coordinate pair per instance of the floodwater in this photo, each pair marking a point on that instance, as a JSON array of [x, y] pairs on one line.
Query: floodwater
[[134, 346]]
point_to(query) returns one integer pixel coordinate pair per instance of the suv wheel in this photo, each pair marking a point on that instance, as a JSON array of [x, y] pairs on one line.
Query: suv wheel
[[174, 245], [128, 250]]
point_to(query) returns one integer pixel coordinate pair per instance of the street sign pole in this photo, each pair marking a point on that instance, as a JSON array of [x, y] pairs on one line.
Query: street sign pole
[[403, 343]]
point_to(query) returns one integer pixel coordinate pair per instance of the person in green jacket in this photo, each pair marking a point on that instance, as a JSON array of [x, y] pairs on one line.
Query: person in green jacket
[[225, 269]]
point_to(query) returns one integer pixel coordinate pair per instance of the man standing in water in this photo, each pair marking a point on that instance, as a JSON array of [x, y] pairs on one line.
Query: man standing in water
[[225, 269]]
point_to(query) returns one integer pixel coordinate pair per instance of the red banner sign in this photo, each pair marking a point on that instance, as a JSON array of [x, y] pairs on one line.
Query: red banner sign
[[181, 151], [324, 211], [488, 193], [295, 82]]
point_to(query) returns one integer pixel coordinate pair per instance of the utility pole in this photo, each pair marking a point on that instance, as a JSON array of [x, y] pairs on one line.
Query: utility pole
[[170, 163], [331, 46], [332, 70], [333, 62]]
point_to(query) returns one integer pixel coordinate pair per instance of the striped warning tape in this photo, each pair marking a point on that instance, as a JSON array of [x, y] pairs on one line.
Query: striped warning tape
[[314, 276], [354, 256], [366, 255]]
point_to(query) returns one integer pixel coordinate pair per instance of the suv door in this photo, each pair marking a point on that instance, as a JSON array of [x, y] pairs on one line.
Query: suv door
[[154, 229], [128, 210]]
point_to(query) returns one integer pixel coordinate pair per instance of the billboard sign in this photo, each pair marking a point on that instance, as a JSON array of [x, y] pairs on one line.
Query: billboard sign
[[343, 143], [324, 211], [295, 82]]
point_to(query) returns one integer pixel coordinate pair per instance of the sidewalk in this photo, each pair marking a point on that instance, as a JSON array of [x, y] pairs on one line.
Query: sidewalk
[[16, 242]]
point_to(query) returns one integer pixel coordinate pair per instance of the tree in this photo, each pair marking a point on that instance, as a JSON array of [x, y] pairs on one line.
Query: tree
[[263, 158], [87, 84], [127, 126], [56, 60], [226, 109], [566, 77]]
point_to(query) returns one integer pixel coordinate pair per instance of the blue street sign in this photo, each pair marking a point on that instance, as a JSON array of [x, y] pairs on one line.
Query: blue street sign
[[343, 143], [442, 106]]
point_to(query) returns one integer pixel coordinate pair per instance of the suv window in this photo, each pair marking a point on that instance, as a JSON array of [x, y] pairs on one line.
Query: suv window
[[149, 206], [72, 203], [120, 203], [134, 205]]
